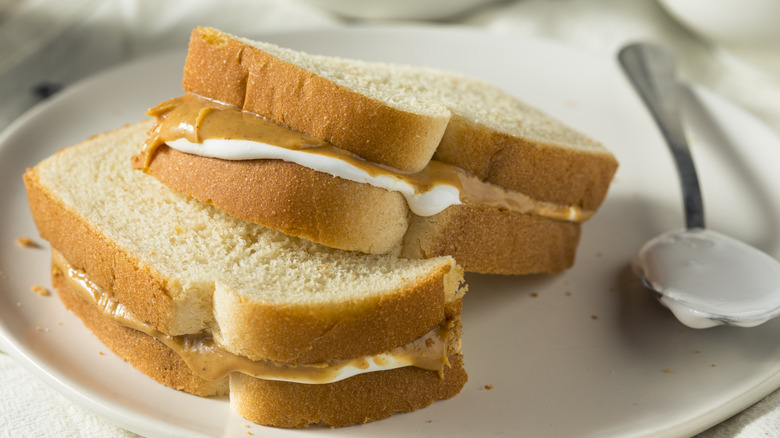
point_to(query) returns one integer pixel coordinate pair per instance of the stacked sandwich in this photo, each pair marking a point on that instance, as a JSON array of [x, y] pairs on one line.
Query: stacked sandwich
[[292, 229]]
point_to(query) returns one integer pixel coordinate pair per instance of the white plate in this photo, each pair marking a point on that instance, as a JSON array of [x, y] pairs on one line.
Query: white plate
[[583, 353]]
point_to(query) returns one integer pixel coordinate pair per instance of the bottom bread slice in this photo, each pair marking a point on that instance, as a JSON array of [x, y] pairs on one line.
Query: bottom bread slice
[[358, 399]]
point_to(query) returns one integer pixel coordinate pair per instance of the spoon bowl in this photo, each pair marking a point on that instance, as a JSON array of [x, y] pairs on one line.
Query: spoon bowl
[[704, 277], [707, 278]]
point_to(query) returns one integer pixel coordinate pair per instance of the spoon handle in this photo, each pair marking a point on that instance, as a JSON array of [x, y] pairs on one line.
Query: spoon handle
[[651, 71]]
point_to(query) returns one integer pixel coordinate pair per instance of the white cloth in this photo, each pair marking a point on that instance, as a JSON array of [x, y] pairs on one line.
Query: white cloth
[[116, 30]]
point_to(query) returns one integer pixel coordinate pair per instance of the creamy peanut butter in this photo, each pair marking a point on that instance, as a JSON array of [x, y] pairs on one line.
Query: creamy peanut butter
[[197, 125], [210, 361]]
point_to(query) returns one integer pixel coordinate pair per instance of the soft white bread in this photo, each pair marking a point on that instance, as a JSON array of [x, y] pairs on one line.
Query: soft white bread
[[349, 215], [400, 116], [291, 198], [184, 267]]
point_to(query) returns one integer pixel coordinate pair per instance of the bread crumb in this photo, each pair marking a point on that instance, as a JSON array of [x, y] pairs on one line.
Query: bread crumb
[[40, 329], [26, 242], [594, 317], [58, 322], [668, 371], [713, 365], [567, 293], [40, 290], [100, 353], [534, 294], [697, 352], [488, 387], [429, 421]]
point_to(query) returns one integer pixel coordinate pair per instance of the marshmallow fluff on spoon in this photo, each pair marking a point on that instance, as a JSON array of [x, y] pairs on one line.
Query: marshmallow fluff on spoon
[[704, 277]]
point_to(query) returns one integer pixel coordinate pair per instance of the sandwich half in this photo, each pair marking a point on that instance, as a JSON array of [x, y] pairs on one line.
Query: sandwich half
[[295, 332], [378, 158]]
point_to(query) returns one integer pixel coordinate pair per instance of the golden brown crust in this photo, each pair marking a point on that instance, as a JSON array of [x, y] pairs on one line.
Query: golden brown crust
[[111, 268], [143, 352], [225, 69], [359, 399], [550, 173], [290, 198], [493, 241], [368, 326], [484, 240]]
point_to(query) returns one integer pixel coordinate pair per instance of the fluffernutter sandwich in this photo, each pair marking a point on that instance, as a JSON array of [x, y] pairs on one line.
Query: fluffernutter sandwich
[[292, 231], [378, 158]]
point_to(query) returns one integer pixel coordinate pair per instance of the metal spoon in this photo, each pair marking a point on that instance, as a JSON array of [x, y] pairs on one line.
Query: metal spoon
[[705, 278]]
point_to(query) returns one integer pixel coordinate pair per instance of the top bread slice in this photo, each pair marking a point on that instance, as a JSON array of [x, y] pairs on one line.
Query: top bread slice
[[185, 267], [402, 116]]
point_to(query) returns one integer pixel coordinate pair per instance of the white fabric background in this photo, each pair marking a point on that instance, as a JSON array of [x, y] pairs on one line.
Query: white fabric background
[[115, 30]]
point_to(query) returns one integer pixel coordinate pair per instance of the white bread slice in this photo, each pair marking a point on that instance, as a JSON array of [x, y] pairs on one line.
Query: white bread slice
[[400, 116], [184, 267], [350, 215]]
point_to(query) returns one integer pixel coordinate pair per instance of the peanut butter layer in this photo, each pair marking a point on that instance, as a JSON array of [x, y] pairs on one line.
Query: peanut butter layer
[[209, 361], [195, 119]]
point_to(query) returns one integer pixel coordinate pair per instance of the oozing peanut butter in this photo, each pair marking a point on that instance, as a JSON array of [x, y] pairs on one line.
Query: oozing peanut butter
[[207, 359], [195, 119]]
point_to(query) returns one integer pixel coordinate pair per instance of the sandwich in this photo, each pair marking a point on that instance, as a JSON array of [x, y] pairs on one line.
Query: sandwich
[[295, 332], [292, 231], [377, 158]]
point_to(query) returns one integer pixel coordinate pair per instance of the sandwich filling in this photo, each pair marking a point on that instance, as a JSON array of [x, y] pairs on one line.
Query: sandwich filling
[[207, 359], [200, 126]]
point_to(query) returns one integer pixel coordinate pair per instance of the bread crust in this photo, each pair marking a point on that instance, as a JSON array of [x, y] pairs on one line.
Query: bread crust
[[143, 352], [545, 172], [492, 241], [290, 198], [349, 215], [307, 337], [233, 72], [359, 399], [114, 270]]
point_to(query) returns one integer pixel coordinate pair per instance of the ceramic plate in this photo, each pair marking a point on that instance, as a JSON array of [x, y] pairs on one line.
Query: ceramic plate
[[584, 353]]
